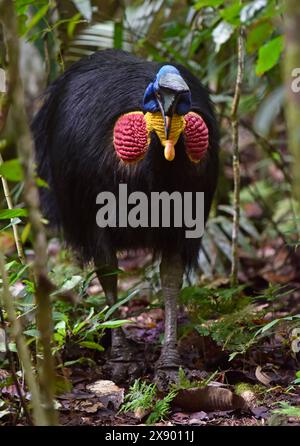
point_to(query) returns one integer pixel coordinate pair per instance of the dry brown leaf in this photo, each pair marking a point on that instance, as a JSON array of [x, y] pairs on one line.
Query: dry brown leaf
[[208, 399], [262, 377], [89, 406]]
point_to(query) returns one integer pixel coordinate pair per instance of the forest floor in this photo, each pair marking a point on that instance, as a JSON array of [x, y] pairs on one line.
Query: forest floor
[[263, 378], [264, 375]]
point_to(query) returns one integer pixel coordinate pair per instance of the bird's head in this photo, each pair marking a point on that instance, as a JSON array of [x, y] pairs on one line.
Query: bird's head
[[166, 100], [167, 112]]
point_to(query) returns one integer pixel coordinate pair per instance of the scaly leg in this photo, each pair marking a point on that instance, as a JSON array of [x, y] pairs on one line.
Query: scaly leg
[[171, 273], [123, 356]]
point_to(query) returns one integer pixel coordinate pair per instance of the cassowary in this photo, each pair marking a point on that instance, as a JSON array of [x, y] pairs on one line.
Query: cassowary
[[113, 119]]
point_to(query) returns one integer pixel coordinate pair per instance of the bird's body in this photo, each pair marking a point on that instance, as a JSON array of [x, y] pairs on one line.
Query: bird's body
[[74, 144], [74, 138]]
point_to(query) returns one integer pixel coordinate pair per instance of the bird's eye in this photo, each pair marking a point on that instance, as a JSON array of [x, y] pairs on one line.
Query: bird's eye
[[158, 95]]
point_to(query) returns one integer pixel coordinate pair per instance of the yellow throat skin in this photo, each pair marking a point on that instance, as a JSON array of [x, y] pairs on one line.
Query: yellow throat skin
[[155, 122]]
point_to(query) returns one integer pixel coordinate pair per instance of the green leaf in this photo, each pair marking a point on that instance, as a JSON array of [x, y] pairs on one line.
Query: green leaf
[[12, 170], [231, 13], [18, 274], [69, 284], [7, 214], [61, 326], [72, 23], [37, 17], [22, 6], [114, 324], [269, 55], [41, 183], [269, 325], [258, 35], [92, 345], [33, 332], [118, 35], [25, 233], [4, 413], [79, 325], [114, 307], [12, 347], [204, 3], [233, 355], [288, 410]]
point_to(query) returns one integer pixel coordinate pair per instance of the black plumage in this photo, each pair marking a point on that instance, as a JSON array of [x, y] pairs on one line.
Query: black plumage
[[73, 134]]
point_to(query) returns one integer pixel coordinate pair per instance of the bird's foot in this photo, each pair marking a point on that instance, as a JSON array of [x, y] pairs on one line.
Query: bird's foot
[[124, 363], [167, 368]]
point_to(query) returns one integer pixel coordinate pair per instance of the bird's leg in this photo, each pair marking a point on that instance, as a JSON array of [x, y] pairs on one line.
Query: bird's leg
[[123, 356], [171, 273]]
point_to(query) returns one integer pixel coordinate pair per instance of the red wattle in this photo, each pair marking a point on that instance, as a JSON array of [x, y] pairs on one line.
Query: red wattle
[[130, 137], [196, 136]]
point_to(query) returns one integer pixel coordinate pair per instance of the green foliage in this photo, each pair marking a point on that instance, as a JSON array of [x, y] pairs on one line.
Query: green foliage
[[185, 383], [161, 408], [11, 170], [288, 410], [269, 55], [142, 399], [229, 317], [7, 214], [140, 396], [85, 330], [297, 380]]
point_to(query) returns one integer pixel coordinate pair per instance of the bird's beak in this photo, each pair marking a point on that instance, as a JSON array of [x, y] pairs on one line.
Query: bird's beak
[[171, 87], [167, 124], [167, 107]]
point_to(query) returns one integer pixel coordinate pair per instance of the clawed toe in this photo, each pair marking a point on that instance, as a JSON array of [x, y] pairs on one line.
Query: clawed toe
[[165, 378], [167, 369]]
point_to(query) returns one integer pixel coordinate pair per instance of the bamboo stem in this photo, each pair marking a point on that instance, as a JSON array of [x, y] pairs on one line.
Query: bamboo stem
[[236, 158]]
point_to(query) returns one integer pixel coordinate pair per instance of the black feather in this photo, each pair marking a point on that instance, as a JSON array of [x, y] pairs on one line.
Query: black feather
[[73, 134]]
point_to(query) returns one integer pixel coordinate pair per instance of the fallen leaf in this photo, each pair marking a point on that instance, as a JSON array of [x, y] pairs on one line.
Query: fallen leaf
[[260, 412], [198, 418], [208, 399], [89, 406], [262, 377]]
